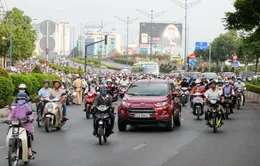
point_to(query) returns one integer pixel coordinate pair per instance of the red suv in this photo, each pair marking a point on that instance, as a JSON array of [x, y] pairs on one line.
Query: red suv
[[149, 102]]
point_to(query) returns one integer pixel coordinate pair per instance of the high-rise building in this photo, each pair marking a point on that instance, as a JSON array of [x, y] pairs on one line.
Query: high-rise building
[[61, 37], [94, 35]]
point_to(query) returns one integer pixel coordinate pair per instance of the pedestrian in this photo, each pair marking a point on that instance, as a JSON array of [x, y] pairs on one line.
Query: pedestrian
[[78, 85]]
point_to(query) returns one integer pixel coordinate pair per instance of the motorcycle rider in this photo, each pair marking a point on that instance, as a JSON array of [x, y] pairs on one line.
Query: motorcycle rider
[[110, 88], [228, 89], [240, 85], [19, 112], [43, 93], [184, 83], [23, 88], [124, 82], [207, 87], [177, 82], [214, 93], [196, 89], [93, 87], [104, 99], [57, 92]]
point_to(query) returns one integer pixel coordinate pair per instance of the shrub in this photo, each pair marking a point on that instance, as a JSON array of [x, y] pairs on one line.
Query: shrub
[[6, 89], [16, 79], [4, 73], [252, 88], [37, 69], [33, 86]]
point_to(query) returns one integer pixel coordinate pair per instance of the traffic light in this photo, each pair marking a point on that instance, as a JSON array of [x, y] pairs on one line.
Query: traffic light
[[105, 39]]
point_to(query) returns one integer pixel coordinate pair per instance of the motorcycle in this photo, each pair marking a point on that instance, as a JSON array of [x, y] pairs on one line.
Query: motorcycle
[[184, 95], [102, 120], [71, 95], [17, 142], [53, 117], [198, 105], [90, 97], [40, 113], [228, 105], [115, 96], [239, 98], [122, 90], [214, 115]]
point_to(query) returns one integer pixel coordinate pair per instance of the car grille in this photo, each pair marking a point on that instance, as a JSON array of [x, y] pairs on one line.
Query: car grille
[[134, 111]]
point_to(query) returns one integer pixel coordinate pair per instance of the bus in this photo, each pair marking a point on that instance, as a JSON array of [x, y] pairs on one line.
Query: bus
[[145, 68]]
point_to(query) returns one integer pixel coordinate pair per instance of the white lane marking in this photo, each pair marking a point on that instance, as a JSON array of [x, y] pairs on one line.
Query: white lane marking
[[139, 147], [2, 147], [182, 147]]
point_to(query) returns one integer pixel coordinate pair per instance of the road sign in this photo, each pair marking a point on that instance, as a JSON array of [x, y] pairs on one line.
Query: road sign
[[192, 56], [193, 62], [51, 43], [201, 45], [235, 64], [51, 27]]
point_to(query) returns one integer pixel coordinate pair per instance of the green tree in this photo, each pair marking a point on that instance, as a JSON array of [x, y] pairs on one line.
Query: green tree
[[224, 46], [74, 52], [23, 35], [202, 54], [37, 69], [246, 18]]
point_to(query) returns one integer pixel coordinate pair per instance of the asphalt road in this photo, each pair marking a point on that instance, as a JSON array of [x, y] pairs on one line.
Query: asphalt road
[[193, 144]]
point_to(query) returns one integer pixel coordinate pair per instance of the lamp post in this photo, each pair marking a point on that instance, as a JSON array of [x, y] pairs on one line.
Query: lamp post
[[186, 6], [152, 16], [4, 38], [127, 21]]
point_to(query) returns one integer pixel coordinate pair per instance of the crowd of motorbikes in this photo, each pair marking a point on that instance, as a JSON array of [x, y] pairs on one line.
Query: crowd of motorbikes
[[51, 116]]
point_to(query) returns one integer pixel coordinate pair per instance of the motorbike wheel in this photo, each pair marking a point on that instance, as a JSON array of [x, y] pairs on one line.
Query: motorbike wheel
[[177, 118], [13, 160], [39, 121], [226, 113], [87, 112], [198, 113], [238, 104], [47, 125], [100, 135], [105, 138], [215, 125], [170, 126]]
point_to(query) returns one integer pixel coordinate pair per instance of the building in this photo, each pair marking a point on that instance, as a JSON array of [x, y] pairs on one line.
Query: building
[[132, 49], [95, 35], [61, 38]]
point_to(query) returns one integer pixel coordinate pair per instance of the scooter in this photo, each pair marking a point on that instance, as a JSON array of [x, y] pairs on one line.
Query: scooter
[[90, 97], [53, 117], [198, 105], [122, 90], [17, 142], [71, 95], [184, 95], [101, 122]]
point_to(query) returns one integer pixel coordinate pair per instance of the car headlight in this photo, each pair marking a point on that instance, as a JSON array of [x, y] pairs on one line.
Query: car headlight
[[249, 79], [126, 104], [160, 104]]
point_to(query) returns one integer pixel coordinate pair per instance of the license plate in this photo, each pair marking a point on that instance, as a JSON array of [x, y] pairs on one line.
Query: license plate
[[142, 115]]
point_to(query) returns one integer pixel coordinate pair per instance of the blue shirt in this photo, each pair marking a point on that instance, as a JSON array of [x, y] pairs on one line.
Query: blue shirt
[[227, 90], [44, 92]]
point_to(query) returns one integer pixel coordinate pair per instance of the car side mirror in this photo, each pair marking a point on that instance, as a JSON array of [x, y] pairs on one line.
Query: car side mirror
[[29, 113]]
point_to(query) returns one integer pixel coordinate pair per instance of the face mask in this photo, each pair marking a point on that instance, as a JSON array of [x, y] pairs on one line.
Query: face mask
[[239, 81], [21, 90], [226, 84]]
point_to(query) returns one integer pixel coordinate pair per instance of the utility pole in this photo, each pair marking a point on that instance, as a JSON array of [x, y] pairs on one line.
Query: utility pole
[[209, 55], [127, 21], [11, 41], [151, 16], [186, 6]]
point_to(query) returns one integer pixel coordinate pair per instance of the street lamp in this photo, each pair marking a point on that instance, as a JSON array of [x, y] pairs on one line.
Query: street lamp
[[127, 22], [4, 38], [152, 16]]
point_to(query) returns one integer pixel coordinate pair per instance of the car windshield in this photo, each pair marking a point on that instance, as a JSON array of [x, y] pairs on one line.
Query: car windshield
[[230, 74], [210, 75], [148, 89]]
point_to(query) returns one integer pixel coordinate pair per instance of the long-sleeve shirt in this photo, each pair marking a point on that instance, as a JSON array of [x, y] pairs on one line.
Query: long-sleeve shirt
[[19, 112]]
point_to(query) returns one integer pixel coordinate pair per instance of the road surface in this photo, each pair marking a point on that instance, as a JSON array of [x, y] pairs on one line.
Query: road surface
[[193, 144]]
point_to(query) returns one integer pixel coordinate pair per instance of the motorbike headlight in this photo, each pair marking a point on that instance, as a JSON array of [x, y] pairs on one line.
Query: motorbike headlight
[[249, 79], [160, 104], [50, 108], [15, 122], [213, 101], [126, 104]]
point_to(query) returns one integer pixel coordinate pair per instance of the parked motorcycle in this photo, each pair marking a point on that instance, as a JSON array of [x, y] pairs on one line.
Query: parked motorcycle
[[197, 105], [122, 90], [53, 117], [214, 115], [101, 122], [17, 142], [90, 97], [184, 95], [239, 98], [228, 105]]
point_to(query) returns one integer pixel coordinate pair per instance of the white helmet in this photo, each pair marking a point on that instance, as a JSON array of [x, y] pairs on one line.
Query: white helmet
[[109, 80], [197, 81], [22, 86]]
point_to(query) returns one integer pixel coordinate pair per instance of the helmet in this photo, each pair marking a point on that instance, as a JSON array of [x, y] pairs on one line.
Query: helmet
[[185, 78], [22, 95], [46, 81], [77, 75], [56, 81], [109, 80], [239, 78], [69, 76], [103, 91], [22, 86]]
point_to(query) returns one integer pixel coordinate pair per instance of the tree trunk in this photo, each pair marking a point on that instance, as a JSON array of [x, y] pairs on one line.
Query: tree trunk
[[256, 63]]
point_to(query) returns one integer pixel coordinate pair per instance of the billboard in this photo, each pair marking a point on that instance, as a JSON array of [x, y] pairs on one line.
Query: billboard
[[166, 37]]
